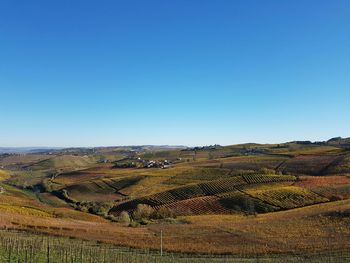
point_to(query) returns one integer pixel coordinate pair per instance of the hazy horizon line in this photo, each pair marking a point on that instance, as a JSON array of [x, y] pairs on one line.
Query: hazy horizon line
[[161, 145]]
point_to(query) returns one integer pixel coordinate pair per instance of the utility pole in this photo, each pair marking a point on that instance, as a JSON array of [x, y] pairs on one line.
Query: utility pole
[[161, 243]]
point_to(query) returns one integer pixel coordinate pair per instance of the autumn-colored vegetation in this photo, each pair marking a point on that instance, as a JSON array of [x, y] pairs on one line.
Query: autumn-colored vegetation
[[239, 200]]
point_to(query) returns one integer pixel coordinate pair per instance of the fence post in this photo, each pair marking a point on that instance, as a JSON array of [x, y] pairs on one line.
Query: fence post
[[161, 243]]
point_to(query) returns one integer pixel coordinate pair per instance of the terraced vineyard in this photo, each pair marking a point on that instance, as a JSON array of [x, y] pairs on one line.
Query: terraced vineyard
[[239, 201], [197, 206], [310, 181], [285, 197], [193, 175], [104, 188], [309, 164], [221, 186], [193, 191], [259, 178], [340, 166], [255, 162], [333, 192]]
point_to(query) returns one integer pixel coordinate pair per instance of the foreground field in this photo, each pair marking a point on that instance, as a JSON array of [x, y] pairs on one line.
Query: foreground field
[[30, 248]]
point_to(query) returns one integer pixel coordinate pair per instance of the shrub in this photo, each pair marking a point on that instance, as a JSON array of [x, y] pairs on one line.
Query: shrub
[[142, 212], [163, 213], [124, 217], [82, 208]]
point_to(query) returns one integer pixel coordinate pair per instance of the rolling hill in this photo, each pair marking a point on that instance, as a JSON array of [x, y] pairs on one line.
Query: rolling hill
[[243, 198]]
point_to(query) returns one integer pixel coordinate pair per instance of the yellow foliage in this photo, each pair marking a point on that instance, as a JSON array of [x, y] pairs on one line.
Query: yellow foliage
[[4, 175], [285, 196], [23, 210]]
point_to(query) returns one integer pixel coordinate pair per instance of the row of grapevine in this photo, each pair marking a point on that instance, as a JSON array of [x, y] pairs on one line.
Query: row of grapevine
[[263, 178], [221, 186], [177, 194], [162, 198], [198, 175], [309, 164], [239, 201], [286, 197], [333, 192], [197, 206]]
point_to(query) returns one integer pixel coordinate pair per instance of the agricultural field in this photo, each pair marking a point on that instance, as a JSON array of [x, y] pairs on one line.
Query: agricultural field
[[217, 204], [285, 197], [25, 247]]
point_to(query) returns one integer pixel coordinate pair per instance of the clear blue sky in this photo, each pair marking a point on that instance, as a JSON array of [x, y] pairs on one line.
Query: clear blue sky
[[190, 72]]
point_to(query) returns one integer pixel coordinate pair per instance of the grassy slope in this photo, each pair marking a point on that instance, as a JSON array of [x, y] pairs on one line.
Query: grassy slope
[[64, 162]]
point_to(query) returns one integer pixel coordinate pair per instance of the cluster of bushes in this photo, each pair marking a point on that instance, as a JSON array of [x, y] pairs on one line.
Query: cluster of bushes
[[97, 208], [145, 214]]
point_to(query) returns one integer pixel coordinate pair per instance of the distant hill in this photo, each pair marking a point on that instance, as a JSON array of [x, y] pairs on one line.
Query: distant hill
[[339, 141], [85, 150], [27, 149]]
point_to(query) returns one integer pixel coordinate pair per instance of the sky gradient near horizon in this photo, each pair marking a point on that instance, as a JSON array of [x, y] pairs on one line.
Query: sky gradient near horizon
[[184, 72]]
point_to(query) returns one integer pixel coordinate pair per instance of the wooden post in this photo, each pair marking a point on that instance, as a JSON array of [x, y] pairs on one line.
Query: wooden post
[[161, 243]]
